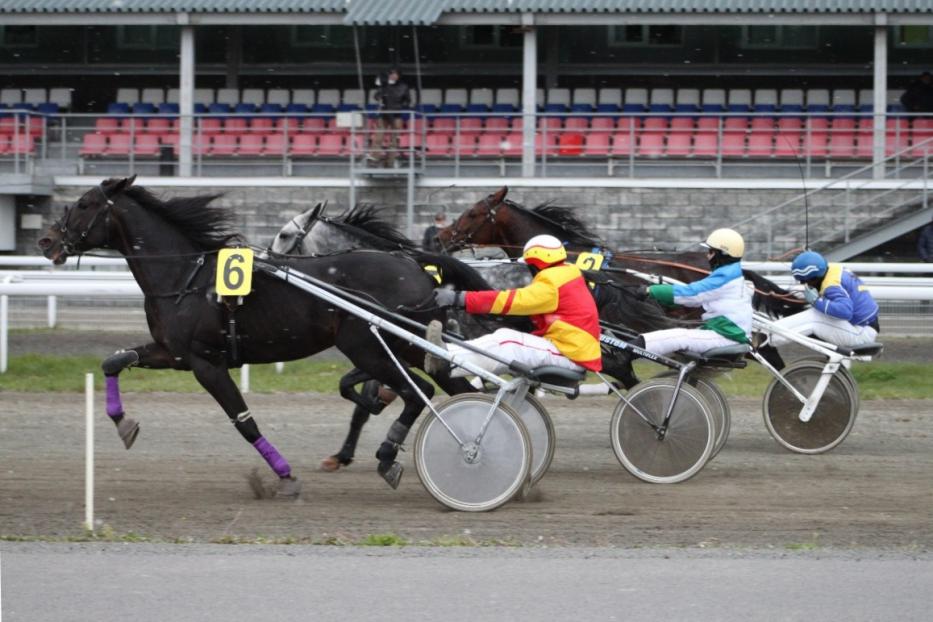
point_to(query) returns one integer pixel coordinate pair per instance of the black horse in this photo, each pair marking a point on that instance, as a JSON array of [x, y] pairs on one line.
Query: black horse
[[171, 248]]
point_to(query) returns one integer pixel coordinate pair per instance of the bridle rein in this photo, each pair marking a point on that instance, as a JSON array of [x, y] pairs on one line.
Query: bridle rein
[[71, 247]]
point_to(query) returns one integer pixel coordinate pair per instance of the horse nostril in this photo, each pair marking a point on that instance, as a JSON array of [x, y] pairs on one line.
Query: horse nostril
[[44, 243]]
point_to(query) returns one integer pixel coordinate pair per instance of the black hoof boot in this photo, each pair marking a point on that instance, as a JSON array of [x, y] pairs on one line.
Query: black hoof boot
[[118, 361], [391, 472]]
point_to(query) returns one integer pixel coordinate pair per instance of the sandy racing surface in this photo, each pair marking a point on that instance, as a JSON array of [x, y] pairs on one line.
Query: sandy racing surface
[[185, 479]]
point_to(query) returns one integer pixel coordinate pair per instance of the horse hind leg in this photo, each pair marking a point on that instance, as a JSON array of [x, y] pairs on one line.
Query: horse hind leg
[[389, 468]]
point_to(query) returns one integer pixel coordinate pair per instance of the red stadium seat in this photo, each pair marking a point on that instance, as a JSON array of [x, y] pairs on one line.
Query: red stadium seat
[[762, 124], [437, 144], [264, 125], [733, 145], [489, 144], [553, 124], [251, 144], [224, 145], [499, 125], [132, 124], [546, 144], [289, 124], [817, 125], [816, 145], [5, 140], [465, 145], [842, 124], [842, 145], [146, 145], [22, 144], [236, 125], [735, 125], [408, 141], [276, 145], [570, 144], [651, 145], [895, 144], [512, 145], [655, 124], [91, 145], [709, 124], [159, 125], [471, 125], [625, 124], [119, 145], [761, 144], [603, 124], [444, 124], [787, 144], [790, 123], [209, 125], [865, 146], [705, 144], [577, 124], [678, 144], [103, 125], [313, 124], [623, 144], [331, 145], [681, 125], [304, 145], [597, 144]]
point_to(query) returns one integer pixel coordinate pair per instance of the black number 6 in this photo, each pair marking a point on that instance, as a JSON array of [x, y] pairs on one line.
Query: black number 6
[[233, 274]]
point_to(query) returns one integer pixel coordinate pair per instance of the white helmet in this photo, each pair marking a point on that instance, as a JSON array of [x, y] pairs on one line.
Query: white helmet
[[726, 241], [544, 250]]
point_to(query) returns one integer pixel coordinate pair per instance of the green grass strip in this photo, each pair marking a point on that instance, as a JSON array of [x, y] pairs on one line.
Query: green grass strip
[[45, 373]]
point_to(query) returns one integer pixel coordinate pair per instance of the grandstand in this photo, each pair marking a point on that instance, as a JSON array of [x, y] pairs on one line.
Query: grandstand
[[542, 95]]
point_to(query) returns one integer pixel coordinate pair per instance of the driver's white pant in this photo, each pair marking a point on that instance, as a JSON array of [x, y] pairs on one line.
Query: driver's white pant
[[509, 345], [696, 340], [826, 327]]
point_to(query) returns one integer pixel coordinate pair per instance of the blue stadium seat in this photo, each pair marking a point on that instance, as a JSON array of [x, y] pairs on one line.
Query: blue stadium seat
[[713, 108], [844, 108], [477, 110], [764, 107], [218, 108], [895, 108], [272, 108], [792, 108], [47, 108], [323, 108], [115, 108], [504, 108], [633, 108], [426, 108], [200, 109], [686, 108], [659, 108], [168, 108], [451, 108], [144, 108], [297, 108], [245, 108], [738, 108], [817, 108], [866, 108], [347, 107], [586, 108]]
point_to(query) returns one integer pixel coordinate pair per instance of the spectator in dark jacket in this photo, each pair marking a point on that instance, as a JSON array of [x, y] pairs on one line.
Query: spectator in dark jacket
[[393, 97], [919, 94], [925, 243], [430, 242]]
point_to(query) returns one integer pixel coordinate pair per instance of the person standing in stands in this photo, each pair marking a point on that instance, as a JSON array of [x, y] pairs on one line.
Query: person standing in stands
[[925, 243], [919, 94], [430, 242], [394, 98]]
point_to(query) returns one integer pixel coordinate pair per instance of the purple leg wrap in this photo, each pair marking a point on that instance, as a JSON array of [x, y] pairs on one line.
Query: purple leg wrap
[[273, 457], [114, 404]]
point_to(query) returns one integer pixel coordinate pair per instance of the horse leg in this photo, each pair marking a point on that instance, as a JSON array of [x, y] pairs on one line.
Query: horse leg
[[149, 356], [215, 378], [389, 468], [365, 403]]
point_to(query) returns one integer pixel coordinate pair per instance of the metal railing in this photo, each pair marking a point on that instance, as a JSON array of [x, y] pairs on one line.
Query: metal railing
[[585, 144]]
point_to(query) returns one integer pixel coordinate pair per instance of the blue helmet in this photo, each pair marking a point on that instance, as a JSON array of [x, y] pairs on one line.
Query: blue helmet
[[808, 265]]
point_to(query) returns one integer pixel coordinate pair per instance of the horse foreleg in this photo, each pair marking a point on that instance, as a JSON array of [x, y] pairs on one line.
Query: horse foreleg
[[150, 356], [344, 457], [215, 378], [373, 399], [389, 468]]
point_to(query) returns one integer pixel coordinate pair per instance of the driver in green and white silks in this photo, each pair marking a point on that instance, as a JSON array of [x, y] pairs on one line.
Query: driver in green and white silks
[[724, 295]]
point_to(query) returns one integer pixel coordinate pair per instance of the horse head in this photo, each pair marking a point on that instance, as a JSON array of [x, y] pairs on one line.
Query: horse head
[[86, 223], [477, 225], [291, 238]]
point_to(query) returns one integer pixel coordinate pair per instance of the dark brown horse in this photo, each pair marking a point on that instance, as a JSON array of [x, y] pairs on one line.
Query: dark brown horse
[[171, 248]]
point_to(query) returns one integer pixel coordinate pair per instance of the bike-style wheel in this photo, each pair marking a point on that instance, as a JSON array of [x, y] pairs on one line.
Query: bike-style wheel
[[843, 372], [542, 434], [718, 407], [662, 456], [831, 421], [475, 476]]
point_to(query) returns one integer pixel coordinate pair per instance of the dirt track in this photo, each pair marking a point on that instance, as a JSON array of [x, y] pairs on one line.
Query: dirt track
[[185, 479]]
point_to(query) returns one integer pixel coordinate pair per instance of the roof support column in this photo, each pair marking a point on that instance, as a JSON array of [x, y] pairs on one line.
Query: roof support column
[[880, 94], [529, 91], [186, 98]]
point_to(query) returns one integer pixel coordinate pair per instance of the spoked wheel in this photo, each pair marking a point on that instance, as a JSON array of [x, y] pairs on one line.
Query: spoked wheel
[[685, 446], [474, 477], [843, 373], [541, 432], [718, 407], [832, 420]]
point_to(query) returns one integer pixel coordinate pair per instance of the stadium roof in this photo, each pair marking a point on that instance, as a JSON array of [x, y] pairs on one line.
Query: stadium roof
[[428, 12]]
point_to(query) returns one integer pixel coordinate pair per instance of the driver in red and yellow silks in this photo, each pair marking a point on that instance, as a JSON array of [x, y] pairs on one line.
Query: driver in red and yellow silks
[[558, 302]]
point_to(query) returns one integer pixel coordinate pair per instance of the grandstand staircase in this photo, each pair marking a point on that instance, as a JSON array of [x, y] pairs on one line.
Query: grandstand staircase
[[847, 216]]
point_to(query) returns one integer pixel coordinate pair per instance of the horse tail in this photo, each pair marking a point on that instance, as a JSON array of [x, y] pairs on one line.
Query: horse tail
[[452, 271], [771, 297]]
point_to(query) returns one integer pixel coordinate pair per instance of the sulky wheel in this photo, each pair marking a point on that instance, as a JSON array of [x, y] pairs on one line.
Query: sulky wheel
[[474, 477], [832, 420], [718, 406], [541, 432], [843, 373], [683, 448]]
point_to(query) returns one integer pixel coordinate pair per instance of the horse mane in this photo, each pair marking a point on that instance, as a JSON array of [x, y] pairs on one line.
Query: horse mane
[[771, 298], [207, 227], [573, 230], [365, 219]]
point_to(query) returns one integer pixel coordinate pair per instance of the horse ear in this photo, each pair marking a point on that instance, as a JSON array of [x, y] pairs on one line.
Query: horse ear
[[499, 196], [316, 210], [121, 184]]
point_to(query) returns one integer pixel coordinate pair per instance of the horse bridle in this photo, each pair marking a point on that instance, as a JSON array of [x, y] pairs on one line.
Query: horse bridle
[[467, 237], [71, 247], [303, 233]]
